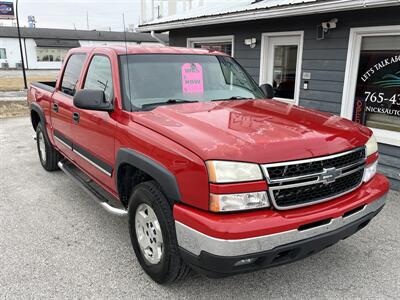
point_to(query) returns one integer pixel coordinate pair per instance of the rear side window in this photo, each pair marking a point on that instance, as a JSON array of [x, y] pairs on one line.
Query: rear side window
[[99, 76], [71, 74]]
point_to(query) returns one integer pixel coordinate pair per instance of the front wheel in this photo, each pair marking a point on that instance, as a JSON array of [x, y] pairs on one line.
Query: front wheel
[[48, 156], [153, 235]]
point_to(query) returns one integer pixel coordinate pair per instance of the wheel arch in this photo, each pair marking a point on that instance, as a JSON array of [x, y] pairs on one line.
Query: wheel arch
[[37, 116], [132, 168]]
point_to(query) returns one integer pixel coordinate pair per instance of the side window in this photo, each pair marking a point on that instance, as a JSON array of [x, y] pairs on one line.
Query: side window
[[71, 74], [99, 76], [3, 54]]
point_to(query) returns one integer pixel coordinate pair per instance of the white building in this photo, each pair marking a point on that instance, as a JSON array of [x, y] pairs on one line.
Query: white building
[[45, 48], [155, 9]]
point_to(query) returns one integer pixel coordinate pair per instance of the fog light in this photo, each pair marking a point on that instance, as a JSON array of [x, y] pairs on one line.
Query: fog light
[[246, 261], [234, 202], [370, 171]]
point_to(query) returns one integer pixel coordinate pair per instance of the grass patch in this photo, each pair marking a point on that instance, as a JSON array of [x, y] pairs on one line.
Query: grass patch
[[9, 109], [17, 83]]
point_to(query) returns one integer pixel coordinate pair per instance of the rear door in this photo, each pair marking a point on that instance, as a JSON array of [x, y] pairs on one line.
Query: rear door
[[93, 131], [62, 105]]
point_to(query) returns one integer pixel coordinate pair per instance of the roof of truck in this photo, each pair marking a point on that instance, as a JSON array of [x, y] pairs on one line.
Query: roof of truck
[[121, 50]]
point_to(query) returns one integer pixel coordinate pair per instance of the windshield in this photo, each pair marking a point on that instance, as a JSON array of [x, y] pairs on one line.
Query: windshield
[[149, 80]]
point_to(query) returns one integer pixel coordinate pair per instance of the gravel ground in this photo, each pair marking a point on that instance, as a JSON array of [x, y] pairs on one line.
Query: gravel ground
[[57, 243]]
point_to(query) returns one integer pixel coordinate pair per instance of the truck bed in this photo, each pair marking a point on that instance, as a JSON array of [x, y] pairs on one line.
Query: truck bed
[[45, 85]]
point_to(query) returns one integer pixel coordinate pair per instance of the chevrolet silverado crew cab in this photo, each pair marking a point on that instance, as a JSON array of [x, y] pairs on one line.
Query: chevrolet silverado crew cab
[[213, 173]]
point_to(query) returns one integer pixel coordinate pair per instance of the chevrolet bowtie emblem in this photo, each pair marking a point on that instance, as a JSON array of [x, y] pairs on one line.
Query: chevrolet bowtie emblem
[[329, 175]]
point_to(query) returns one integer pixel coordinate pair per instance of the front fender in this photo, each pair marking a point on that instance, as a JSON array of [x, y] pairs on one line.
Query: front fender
[[154, 169]]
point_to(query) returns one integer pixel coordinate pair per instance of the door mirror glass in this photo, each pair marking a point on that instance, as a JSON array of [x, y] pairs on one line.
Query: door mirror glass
[[92, 100], [268, 90]]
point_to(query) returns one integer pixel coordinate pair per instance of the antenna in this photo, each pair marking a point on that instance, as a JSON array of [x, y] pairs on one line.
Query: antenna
[[127, 62]]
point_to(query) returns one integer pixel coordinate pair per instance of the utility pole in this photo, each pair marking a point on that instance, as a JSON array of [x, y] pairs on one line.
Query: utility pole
[[20, 45], [87, 20]]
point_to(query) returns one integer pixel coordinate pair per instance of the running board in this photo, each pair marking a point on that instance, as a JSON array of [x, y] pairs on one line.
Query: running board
[[102, 197]]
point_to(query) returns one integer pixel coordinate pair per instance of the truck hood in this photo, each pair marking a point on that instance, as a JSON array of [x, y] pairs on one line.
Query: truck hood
[[261, 131]]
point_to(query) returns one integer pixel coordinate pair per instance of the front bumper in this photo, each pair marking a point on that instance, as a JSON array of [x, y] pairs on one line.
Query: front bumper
[[221, 266], [216, 256]]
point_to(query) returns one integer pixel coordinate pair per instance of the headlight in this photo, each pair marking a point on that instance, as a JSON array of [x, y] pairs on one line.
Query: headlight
[[371, 146], [370, 171], [234, 202], [227, 171]]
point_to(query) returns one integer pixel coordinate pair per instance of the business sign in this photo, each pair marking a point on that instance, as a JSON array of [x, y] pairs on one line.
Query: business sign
[[7, 10], [377, 102]]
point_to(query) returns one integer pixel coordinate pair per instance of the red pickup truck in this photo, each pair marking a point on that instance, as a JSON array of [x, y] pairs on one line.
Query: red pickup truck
[[213, 173]]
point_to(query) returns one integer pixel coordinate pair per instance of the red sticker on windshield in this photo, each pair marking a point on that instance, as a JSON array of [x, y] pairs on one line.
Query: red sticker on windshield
[[192, 78]]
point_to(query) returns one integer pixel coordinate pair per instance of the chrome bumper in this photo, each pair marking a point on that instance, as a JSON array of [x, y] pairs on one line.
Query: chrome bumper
[[195, 241]]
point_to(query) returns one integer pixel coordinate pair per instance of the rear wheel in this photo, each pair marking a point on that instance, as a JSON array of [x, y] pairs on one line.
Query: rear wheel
[[48, 156], [153, 235]]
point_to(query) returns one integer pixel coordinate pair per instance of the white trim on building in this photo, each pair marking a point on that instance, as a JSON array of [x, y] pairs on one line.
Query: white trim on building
[[245, 10]]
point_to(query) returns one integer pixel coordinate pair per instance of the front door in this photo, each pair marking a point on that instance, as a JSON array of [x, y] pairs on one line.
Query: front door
[[93, 131], [281, 64]]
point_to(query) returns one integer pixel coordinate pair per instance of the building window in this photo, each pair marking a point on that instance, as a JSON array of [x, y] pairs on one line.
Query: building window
[[51, 54], [284, 70], [371, 94], [377, 98], [217, 43], [3, 54], [225, 47]]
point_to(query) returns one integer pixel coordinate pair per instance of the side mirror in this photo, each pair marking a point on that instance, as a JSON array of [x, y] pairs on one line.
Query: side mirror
[[268, 90], [92, 100]]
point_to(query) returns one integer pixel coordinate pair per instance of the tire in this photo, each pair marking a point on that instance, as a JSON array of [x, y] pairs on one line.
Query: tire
[[48, 156], [147, 197]]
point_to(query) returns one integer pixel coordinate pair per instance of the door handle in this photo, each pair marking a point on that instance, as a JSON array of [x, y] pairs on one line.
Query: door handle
[[75, 117], [55, 107]]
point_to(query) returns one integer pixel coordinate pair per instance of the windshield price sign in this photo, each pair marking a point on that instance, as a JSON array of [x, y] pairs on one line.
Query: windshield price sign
[[192, 78]]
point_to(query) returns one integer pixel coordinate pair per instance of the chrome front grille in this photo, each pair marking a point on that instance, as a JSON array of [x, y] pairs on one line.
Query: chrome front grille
[[305, 182]]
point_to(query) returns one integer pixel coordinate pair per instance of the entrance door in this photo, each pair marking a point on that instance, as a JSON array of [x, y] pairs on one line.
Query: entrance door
[[281, 64]]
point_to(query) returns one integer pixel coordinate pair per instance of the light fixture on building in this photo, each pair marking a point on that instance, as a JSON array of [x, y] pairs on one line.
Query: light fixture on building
[[250, 42], [324, 28]]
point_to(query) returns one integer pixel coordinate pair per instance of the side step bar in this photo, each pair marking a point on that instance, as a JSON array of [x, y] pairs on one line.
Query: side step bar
[[102, 197]]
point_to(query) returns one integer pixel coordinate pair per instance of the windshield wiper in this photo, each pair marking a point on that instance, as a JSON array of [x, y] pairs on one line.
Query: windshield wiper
[[169, 101], [172, 101], [232, 98]]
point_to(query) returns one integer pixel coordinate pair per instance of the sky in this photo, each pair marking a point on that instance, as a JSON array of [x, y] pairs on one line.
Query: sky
[[70, 14]]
